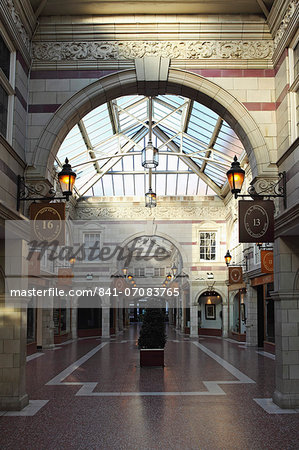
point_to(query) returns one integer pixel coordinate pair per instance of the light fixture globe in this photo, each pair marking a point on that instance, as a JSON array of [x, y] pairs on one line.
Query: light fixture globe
[[150, 199], [235, 176], [228, 258], [66, 179], [174, 270], [150, 156]]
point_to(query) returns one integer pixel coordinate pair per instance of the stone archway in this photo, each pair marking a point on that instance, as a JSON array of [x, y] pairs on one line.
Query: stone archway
[[210, 321], [125, 83]]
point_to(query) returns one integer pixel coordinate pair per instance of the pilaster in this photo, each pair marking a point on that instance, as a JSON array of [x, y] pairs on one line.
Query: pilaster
[[251, 315], [13, 328], [286, 394]]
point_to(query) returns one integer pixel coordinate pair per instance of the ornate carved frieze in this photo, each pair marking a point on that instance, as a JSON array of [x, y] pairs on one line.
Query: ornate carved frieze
[[161, 212], [18, 22], [115, 50], [285, 21]]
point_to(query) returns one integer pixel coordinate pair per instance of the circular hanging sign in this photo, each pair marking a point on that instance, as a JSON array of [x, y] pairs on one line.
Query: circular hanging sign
[[119, 285], [267, 261], [256, 221], [47, 223], [236, 275]]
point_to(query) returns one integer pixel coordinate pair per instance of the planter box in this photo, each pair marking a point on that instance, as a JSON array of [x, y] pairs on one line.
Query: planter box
[[209, 332], [151, 357], [238, 336], [269, 347]]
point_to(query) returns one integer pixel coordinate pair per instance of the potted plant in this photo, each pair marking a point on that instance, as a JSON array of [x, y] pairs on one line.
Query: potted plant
[[152, 338]]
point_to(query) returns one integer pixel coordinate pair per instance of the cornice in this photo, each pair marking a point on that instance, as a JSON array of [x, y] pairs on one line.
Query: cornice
[[11, 151], [278, 14], [165, 28], [19, 34], [26, 14], [284, 25], [7, 213]]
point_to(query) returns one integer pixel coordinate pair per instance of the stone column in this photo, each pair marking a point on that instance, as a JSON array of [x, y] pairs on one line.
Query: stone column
[[177, 325], [193, 321], [286, 394], [13, 326], [225, 319], [105, 321], [286, 297], [170, 316], [13, 333], [120, 315], [74, 319], [251, 315], [183, 322], [47, 328]]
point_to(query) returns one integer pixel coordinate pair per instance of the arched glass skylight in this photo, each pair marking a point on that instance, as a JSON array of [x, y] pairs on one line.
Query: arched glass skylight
[[195, 145]]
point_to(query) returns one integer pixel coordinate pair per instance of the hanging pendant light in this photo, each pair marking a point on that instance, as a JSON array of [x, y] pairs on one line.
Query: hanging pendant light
[[150, 196], [150, 199], [150, 154]]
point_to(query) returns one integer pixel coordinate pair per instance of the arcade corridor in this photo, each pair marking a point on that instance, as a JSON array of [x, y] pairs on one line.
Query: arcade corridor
[[91, 393]]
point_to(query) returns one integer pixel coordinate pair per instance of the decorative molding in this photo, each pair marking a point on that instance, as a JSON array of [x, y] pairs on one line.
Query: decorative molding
[[129, 50], [18, 22], [285, 21], [161, 212]]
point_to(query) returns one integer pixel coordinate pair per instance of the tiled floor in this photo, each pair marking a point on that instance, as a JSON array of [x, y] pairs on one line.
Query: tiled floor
[[93, 395]]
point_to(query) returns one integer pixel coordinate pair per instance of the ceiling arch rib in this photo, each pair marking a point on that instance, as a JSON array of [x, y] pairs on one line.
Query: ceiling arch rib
[[195, 145]]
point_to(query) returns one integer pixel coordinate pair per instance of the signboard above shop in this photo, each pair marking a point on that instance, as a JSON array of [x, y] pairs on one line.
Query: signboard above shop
[[235, 275], [48, 222], [256, 221]]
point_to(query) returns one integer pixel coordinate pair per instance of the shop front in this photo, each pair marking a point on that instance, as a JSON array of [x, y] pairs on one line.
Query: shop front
[[265, 311]]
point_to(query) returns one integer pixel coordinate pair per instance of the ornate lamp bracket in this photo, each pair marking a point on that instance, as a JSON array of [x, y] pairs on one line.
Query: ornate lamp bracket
[[269, 189]]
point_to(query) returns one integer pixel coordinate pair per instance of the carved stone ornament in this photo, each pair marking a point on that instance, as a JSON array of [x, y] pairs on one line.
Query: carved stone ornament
[[141, 212], [285, 21], [18, 22], [114, 50]]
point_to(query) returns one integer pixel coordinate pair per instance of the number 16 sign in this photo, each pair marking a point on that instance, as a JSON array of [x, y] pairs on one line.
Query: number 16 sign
[[256, 221]]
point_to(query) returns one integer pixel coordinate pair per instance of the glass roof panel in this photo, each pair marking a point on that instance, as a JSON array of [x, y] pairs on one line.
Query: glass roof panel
[[121, 126]]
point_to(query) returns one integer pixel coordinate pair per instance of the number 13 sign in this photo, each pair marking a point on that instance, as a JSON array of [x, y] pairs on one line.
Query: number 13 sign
[[256, 221]]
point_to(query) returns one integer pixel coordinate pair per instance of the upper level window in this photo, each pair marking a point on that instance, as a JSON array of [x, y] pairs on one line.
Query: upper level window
[[4, 57], [3, 111], [294, 87], [257, 255], [7, 73], [92, 246], [207, 244], [296, 60]]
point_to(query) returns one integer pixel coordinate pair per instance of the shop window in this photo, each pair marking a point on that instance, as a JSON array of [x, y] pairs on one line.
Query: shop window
[[7, 64], [207, 244], [159, 272], [62, 321], [31, 325], [139, 271], [46, 264], [92, 240]]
